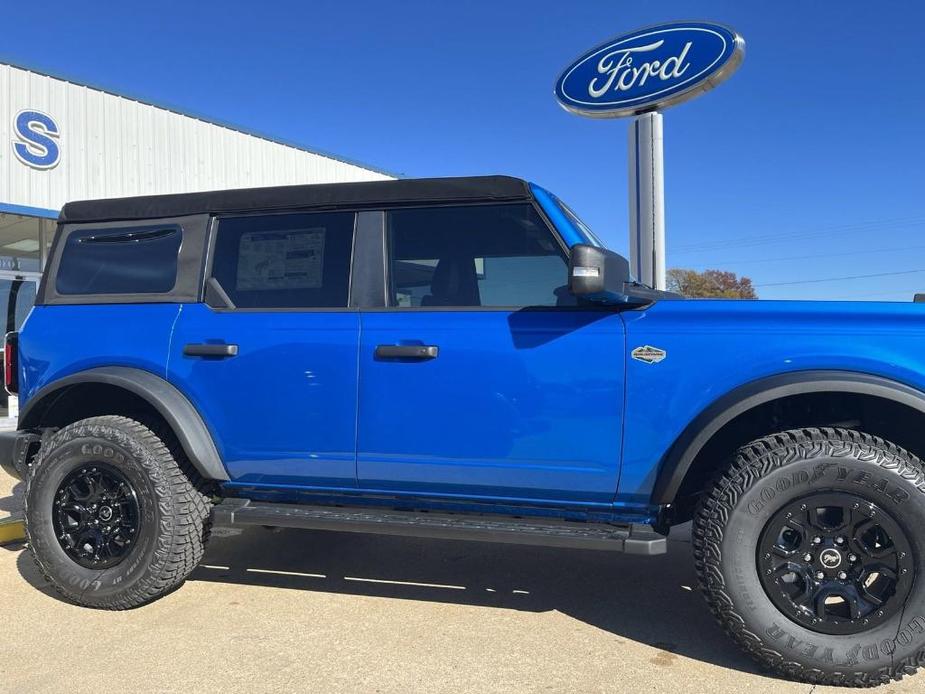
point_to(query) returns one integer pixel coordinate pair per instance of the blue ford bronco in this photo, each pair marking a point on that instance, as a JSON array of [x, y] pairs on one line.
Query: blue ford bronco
[[462, 358]]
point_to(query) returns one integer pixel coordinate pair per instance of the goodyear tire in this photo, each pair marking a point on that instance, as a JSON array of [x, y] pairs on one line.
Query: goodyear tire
[[810, 550], [112, 521]]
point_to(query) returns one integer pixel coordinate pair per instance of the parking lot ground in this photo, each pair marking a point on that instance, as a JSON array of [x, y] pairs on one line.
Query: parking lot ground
[[288, 610]]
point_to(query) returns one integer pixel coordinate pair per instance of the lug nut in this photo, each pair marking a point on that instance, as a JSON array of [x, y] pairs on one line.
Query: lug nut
[[817, 540], [839, 540], [852, 557], [842, 575], [819, 575], [807, 557]]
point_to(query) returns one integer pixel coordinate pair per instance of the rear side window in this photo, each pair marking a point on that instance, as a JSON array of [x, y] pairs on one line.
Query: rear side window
[[285, 260], [133, 260]]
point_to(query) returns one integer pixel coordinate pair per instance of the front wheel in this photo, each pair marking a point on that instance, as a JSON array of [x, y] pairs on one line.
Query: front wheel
[[810, 550], [111, 519]]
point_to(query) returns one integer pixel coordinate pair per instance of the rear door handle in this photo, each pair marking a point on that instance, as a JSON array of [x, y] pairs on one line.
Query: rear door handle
[[210, 350], [407, 351]]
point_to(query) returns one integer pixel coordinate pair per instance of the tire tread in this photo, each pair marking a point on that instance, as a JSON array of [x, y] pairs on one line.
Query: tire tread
[[748, 465], [188, 508]]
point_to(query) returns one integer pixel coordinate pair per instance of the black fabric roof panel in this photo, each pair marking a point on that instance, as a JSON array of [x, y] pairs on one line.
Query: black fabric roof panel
[[398, 192]]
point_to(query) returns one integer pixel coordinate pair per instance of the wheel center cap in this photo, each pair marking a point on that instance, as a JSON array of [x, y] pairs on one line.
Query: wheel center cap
[[830, 558], [105, 513]]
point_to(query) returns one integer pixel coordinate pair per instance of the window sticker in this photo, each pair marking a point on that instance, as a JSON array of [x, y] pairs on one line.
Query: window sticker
[[289, 259]]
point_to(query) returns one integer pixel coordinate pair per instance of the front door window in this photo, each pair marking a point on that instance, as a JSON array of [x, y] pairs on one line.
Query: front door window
[[484, 255]]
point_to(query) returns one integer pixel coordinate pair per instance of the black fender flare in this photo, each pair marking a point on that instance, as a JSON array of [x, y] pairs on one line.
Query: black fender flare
[[695, 436], [173, 406]]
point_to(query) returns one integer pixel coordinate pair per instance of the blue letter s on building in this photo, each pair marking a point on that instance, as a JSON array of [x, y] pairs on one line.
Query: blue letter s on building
[[37, 134]]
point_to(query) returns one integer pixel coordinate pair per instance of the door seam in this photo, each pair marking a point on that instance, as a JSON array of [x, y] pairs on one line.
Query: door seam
[[356, 409], [173, 330], [624, 357]]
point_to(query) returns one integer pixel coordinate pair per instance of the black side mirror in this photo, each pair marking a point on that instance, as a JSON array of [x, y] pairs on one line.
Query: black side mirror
[[598, 275]]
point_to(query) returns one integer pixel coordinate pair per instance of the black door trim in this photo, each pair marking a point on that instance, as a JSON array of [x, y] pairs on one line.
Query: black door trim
[[367, 285]]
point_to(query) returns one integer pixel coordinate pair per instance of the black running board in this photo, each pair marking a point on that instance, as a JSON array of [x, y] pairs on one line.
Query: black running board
[[632, 539]]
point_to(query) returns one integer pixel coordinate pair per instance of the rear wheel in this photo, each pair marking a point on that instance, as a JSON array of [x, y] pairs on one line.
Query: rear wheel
[[810, 550], [111, 519]]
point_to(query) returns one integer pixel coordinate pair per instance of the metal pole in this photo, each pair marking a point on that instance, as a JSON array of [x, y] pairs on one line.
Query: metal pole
[[647, 199]]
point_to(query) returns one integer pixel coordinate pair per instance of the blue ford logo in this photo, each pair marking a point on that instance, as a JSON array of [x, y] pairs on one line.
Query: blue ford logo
[[650, 69]]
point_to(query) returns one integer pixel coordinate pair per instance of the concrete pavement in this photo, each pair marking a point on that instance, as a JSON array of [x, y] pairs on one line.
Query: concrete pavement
[[289, 610]]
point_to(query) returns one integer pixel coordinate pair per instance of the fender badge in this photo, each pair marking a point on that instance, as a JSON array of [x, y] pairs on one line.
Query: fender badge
[[648, 354]]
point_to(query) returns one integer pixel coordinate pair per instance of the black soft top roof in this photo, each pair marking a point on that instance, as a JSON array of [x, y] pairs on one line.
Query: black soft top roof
[[367, 194]]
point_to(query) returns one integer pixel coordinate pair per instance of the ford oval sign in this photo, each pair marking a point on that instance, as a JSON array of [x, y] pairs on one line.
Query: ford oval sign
[[650, 69]]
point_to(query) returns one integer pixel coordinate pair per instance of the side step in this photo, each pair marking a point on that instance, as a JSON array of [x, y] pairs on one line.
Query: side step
[[12, 530], [632, 539]]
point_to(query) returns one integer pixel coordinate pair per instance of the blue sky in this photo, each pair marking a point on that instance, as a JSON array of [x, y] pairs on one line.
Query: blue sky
[[807, 165]]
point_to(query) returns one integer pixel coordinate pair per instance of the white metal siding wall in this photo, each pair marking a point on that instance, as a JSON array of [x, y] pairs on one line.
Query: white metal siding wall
[[112, 146]]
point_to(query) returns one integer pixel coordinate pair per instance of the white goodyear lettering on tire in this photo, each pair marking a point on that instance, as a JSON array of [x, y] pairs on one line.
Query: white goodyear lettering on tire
[[826, 471], [912, 632]]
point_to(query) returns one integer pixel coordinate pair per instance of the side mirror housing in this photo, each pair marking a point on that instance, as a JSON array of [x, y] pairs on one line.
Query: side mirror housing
[[598, 275]]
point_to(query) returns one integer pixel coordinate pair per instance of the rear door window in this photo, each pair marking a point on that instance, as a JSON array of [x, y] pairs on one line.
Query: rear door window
[[285, 260]]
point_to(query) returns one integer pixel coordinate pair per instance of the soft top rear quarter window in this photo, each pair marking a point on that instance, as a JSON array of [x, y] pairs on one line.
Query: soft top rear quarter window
[[133, 260], [150, 261]]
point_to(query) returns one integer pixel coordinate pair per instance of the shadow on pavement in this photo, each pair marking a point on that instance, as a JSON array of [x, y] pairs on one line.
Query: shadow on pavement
[[13, 502], [651, 600]]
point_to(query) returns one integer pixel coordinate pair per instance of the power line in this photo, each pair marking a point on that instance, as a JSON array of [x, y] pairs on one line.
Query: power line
[[840, 279], [900, 292], [763, 239], [752, 261], [822, 231], [791, 238]]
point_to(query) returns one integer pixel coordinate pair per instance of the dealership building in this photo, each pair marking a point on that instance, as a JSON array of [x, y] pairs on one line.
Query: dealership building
[[62, 141]]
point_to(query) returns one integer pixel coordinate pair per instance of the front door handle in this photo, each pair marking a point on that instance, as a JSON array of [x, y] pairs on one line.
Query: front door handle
[[407, 351], [210, 350]]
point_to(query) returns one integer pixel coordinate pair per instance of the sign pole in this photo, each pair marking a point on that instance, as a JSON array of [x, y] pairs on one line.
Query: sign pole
[[645, 72], [647, 199]]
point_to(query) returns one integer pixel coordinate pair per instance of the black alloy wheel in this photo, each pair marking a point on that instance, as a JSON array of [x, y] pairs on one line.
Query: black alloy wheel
[[96, 516], [835, 563]]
